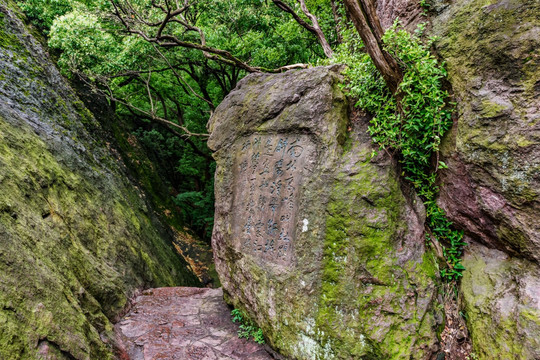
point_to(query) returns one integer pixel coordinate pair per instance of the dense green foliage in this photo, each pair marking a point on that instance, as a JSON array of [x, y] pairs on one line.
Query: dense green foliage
[[176, 84], [44, 12], [412, 127]]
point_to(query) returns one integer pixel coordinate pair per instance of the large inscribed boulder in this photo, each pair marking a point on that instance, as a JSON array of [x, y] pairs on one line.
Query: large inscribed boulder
[[315, 237]]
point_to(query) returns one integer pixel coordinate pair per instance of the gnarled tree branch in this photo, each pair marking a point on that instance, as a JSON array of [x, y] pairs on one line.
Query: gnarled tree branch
[[314, 27], [365, 19], [130, 18]]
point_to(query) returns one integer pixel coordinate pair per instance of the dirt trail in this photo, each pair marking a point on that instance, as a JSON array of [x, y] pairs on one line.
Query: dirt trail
[[183, 323]]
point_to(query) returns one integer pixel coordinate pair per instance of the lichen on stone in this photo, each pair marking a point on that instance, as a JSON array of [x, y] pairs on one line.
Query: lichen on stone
[[77, 239]]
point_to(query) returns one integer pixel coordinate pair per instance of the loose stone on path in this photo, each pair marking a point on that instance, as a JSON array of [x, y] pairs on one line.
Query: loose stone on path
[[183, 323]]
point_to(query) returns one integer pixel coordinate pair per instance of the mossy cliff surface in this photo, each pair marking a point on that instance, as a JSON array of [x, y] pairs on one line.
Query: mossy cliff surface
[[76, 238], [360, 283], [492, 52], [492, 187], [501, 297]]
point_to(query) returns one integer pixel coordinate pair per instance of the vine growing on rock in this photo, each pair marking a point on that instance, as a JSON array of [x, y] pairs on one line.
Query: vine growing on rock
[[409, 123]]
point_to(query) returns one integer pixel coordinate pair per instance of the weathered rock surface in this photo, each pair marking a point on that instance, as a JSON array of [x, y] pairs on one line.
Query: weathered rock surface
[[409, 13], [315, 239], [76, 237], [502, 304], [492, 186], [183, 323]]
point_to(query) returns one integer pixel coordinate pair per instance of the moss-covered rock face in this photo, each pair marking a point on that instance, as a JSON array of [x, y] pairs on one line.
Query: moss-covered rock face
[[378, 282], [492, 51], [502, 304], [76, 238], [350, 277], [492, 186]]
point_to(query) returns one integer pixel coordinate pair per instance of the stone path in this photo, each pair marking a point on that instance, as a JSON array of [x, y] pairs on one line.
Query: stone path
[[183, 323]]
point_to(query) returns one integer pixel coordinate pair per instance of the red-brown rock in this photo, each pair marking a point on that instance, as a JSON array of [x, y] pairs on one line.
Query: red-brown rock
[[183, 323]]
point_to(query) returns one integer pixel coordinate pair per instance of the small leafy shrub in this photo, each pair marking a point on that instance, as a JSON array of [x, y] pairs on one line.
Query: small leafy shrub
[[236, 316], [247, 328], [412, 128]]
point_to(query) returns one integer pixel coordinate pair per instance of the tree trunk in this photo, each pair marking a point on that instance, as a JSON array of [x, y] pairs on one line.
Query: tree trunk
[[364, 17], [337, 20], [314, 27]]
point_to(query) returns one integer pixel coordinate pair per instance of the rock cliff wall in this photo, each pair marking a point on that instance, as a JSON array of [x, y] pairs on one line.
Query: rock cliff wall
[[76, 237], [492, 187]]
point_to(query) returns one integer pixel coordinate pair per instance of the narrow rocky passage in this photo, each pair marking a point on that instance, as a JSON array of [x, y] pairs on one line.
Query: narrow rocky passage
[[183, 323]]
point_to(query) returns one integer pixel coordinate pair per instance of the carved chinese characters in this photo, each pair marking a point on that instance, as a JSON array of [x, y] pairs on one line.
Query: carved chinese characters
[[268, 175]]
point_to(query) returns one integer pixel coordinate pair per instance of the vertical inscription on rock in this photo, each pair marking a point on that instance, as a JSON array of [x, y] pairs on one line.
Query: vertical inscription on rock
[[269, 170]]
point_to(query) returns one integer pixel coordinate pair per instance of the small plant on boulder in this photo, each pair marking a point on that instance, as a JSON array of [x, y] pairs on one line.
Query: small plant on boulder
[[248, 329]]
